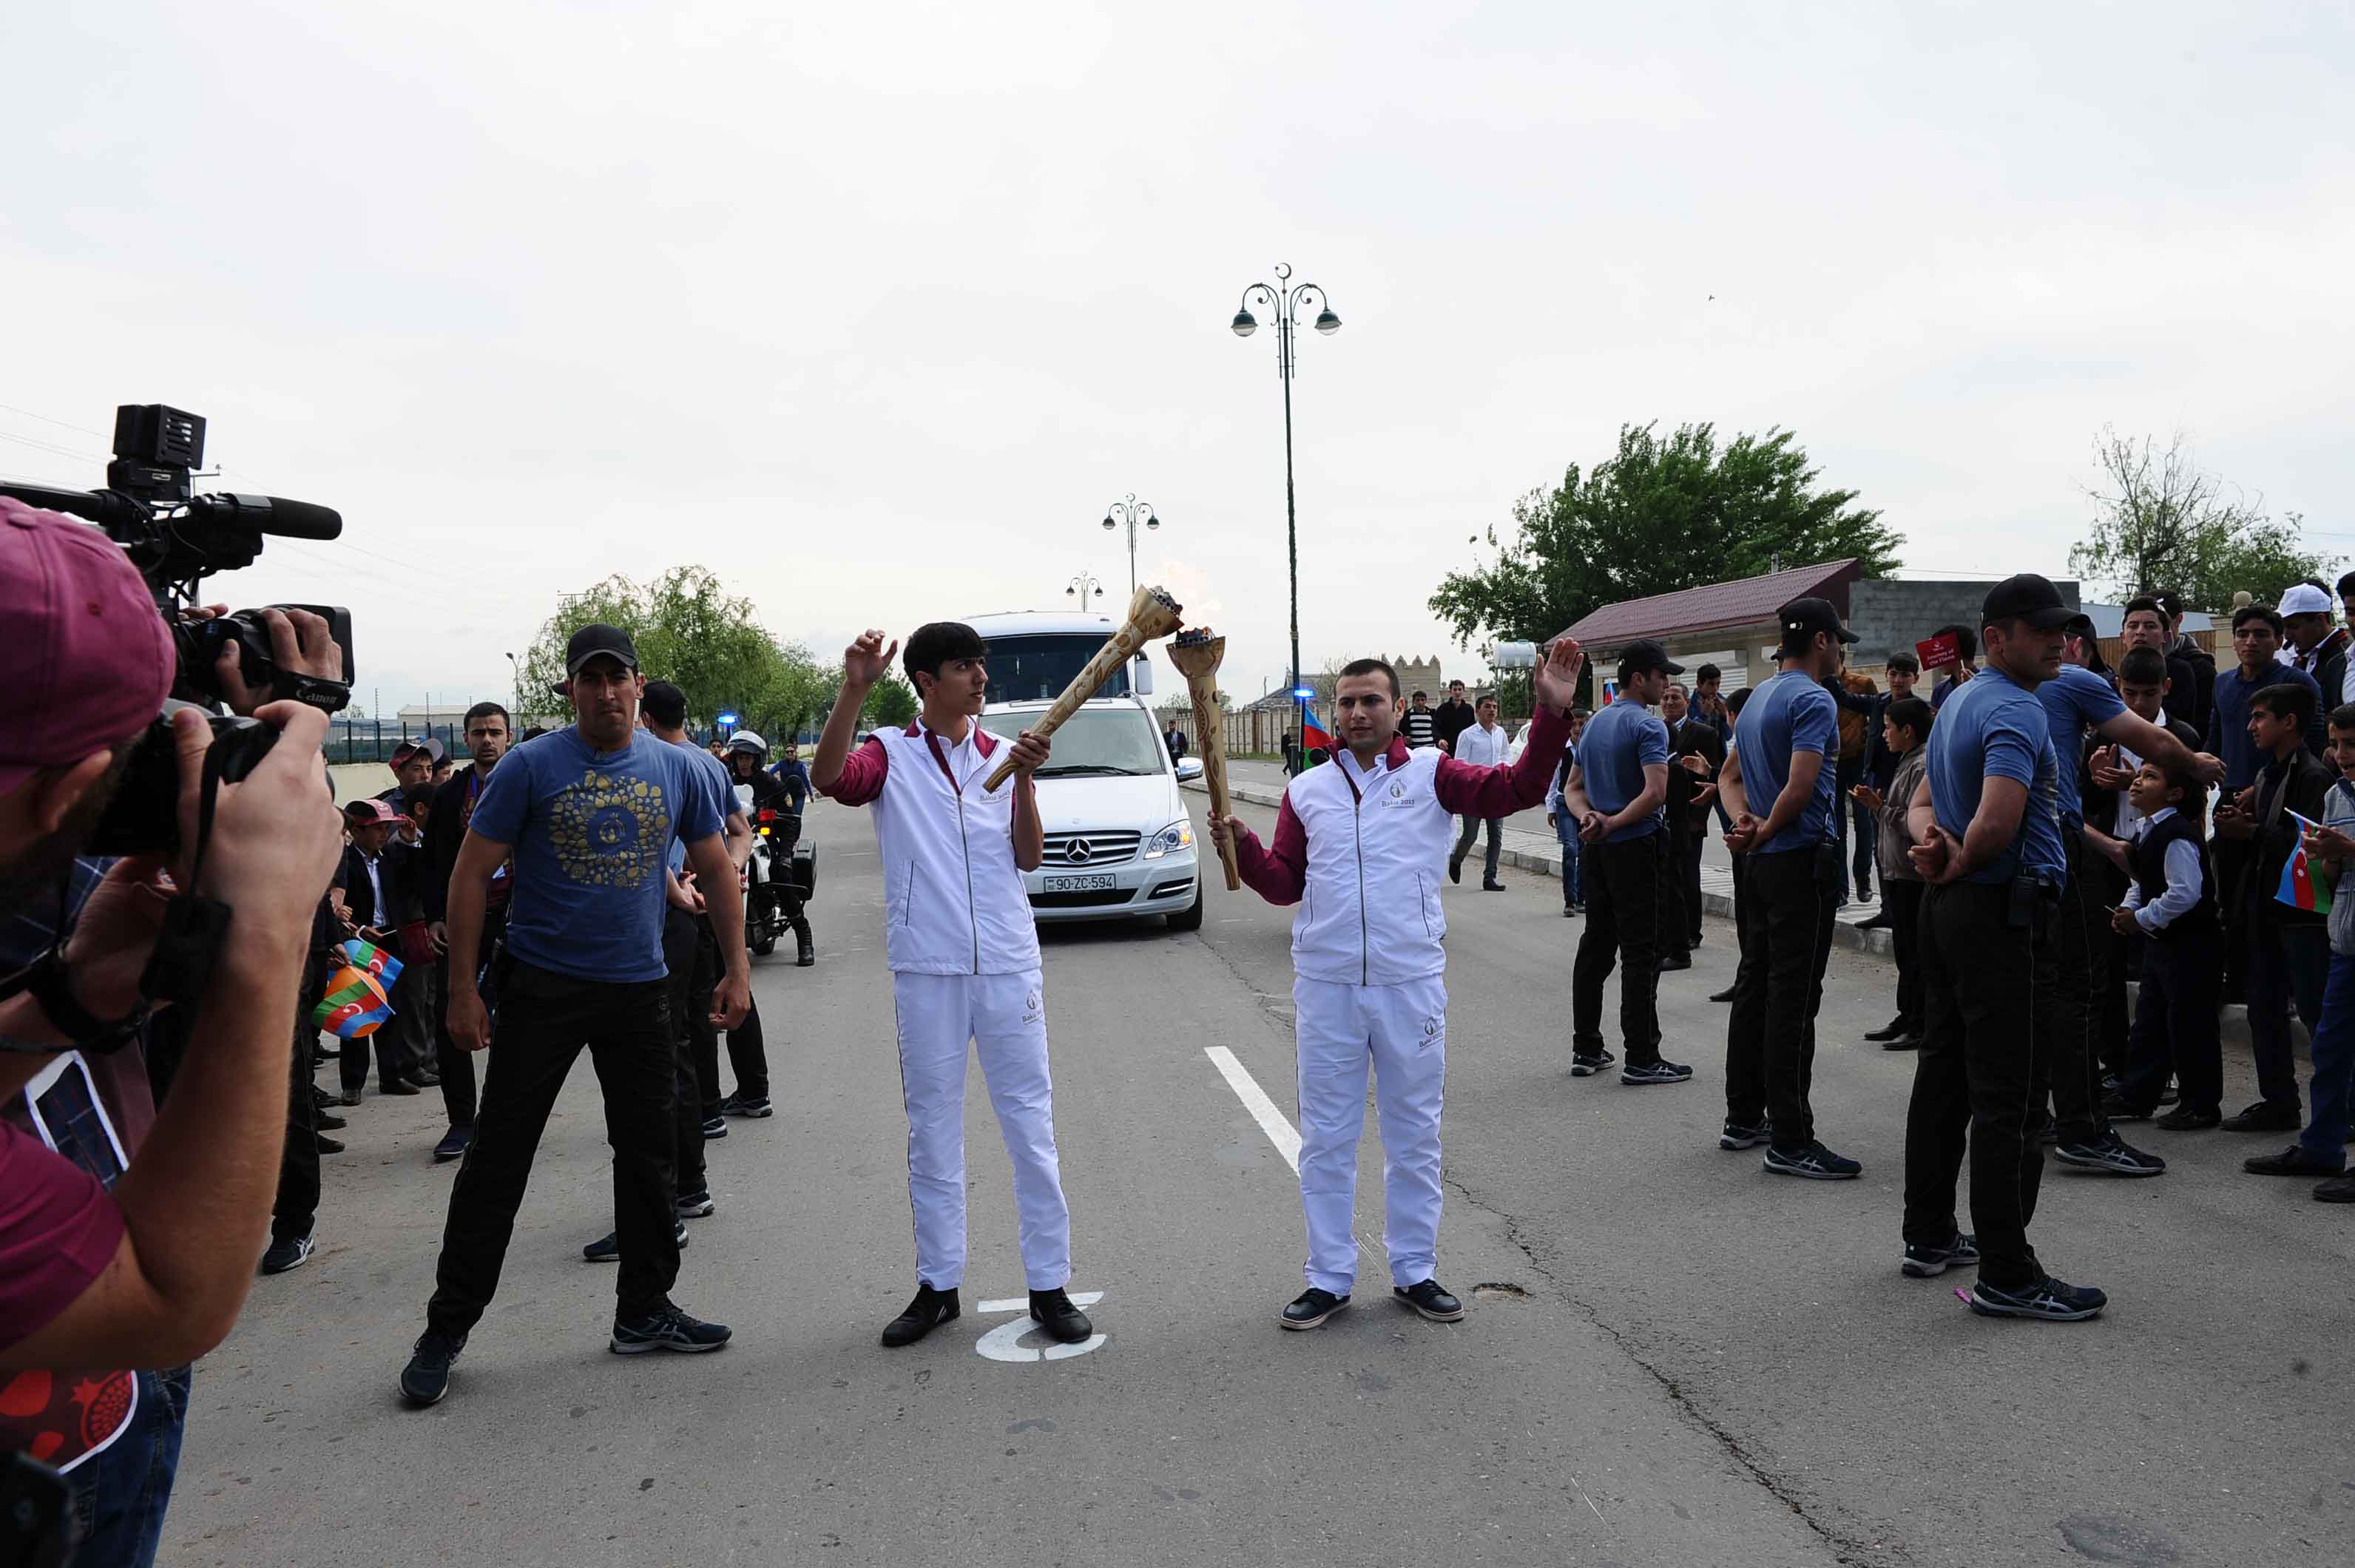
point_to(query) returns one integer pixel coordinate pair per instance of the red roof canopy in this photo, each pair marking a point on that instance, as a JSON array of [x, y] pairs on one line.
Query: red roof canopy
[[1717, 604]]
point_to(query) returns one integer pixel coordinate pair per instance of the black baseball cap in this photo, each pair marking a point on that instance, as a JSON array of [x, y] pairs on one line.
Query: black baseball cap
[[1805, 617], [1644, 653], [2028, 598], [597, 638]]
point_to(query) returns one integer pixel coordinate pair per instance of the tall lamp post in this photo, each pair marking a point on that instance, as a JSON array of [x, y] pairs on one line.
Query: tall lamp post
[[1131, 511], [1287, 300], [1082, 585], [515, 667]]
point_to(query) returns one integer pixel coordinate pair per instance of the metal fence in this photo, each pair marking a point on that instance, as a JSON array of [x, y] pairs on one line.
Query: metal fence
[[373, 740]]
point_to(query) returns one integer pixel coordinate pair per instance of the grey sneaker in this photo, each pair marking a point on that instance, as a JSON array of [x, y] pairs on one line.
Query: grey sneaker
[[2048, 1298], [1649, 1072], [1928, 1263], [2111, 1156], [1583, 1065], [667, 1328]]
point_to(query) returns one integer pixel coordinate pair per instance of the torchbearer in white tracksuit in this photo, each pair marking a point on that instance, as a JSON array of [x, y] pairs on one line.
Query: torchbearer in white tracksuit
[[964, 951], [1359, 846]]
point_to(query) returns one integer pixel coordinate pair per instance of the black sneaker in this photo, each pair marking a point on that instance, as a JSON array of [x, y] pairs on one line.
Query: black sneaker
[[1431, 1299], [928, 1311], [1743, 1134], [1310, 1308], [754, 1109], [1814, 1162], [667, 1328], [2262, 1118], [1724, 995], [2111, 1155], [1584, 1065], [607, 1248], [1895, 1029], [2180, 1120], [714, 1128], [1928, 1263], [695, 1205], [328, 1145], [2292, 1161], [427, 1377], [286, 1252], [1676, 961], [454, 1142], [1492, 887], [1641, 1074], [327, 1124], [1052, 1310], [1455, 869], [2048, 1298]]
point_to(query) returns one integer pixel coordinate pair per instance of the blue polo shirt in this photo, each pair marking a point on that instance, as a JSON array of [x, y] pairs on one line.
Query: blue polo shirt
[[2228, 721], [1789, 711], [1618, 743], [591, 831], [2075, 701], [1992, 728]]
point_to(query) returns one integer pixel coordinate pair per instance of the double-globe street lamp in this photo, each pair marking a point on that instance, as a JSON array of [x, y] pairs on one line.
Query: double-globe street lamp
[[1131, 511], [1083, 586], [1288, 300]]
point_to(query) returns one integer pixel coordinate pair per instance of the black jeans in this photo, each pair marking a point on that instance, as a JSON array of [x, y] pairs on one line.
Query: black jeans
[[2175, 1024], [1786, 908], [1902, 901], [1846, 776], [1471, 831], [679, 946], [2112, 1026], [1675, 938], [1623, 926], [544, 1020], [453, 1062], [1690, 876], [296, 1209], [2082, 950], [1984, 1068], [748, 1050]]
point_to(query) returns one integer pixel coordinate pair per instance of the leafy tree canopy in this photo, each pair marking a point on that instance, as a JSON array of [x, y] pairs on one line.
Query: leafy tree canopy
[[2160, 522]]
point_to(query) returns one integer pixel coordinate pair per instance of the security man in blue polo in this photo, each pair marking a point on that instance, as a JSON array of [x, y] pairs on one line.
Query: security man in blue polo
[[1987, 829], [1785, 767]]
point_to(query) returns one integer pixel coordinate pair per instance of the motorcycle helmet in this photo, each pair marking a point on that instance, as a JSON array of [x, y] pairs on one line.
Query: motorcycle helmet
[[746, 740]]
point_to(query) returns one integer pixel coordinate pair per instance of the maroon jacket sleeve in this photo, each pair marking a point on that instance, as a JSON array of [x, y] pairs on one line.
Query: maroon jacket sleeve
[[863, 775], [1469, 790], [1276, 874]]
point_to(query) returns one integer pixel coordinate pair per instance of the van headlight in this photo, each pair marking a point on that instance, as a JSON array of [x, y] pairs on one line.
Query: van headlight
[[1178, 834]]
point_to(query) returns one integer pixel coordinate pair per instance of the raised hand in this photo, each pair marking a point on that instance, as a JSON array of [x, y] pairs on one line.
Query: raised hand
[[867, 660], [1556, 679]]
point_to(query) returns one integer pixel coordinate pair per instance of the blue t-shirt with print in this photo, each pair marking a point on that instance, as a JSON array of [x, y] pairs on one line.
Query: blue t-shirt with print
[[591, 832], [1619, 743], [2074, 702], [723, 782], [1789, 713], [1993, 728]]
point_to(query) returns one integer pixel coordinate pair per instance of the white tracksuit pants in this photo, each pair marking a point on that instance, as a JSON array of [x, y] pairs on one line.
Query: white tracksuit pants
[[1005, 1017], [1400, 1033]]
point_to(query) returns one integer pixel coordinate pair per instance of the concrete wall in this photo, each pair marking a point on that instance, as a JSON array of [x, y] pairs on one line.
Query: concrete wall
[[1886, 615]]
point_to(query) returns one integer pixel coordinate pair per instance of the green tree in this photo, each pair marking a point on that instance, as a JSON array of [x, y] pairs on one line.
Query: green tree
[[691, 631], [891, 703], [2161, 522], [1658, 515]]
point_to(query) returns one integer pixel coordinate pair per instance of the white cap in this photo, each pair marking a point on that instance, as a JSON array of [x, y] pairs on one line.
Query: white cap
[[2304, 599]]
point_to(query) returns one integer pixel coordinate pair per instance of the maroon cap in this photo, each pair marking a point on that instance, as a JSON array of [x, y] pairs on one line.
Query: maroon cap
[[97, 660], [362, 812]]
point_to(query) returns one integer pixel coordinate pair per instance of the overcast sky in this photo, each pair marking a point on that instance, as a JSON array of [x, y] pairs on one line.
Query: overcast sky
[[872, 308]]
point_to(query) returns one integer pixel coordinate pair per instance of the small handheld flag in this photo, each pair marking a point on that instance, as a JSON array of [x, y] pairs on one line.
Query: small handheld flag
[[2300, 887], [370, 959], [354, 1006]]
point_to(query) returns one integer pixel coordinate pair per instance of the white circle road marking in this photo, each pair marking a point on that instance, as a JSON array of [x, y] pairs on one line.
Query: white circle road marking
[[1003, 1343]]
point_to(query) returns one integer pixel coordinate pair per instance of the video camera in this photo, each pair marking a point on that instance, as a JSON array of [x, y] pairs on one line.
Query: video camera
[[177, 538]]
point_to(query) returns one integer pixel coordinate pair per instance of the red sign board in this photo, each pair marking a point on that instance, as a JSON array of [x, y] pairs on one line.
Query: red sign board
[[1938, 651]]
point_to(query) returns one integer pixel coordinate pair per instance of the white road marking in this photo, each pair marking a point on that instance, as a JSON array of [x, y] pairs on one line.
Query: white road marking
[[1004, 1343], [1263, 1110]]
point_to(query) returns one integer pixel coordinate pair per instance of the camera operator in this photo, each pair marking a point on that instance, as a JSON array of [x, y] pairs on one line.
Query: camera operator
[[129, 1236]]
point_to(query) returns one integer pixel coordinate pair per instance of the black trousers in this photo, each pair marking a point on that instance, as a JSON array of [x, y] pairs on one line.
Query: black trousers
[[748, 1050], [1675, 938], [1785, 912], [1690, 875], [2229, 863], [2082, 950], [1624, 881], [544, 1020], [1471, 831], [2111, 1017], [296, 1207], [453, 1062], [1984, 1070], [2175, 1024], [679, 946], [1902, 901]]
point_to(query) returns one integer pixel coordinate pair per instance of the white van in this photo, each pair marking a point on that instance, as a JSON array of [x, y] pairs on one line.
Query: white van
[[1120, 844]]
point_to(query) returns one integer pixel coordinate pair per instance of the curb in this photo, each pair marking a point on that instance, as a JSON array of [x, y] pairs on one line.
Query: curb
[[1542, 856]]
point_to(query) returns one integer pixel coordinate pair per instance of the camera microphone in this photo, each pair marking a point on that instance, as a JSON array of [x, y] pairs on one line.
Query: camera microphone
[[268, 514]]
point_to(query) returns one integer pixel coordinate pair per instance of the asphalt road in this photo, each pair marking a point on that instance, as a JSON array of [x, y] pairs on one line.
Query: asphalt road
[[1671, 1358]]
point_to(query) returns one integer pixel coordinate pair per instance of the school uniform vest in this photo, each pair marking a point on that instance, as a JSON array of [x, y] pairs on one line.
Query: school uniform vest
[[2148, 857], [1370, 912], [954, 900]]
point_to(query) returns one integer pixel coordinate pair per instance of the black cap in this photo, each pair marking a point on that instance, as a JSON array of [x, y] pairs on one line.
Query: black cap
[[1644, 653], [2079, 625], [2028, 598], [1805, 617], [2171, 602], [597, 638]]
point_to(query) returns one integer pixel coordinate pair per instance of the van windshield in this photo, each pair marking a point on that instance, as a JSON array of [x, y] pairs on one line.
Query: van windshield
[[1101, 743], [1036, 668]]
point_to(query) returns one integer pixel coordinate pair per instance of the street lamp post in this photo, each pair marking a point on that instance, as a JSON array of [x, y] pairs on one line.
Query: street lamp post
[[1287, 300], [1132, 512], [515, 667], [1082, 585]]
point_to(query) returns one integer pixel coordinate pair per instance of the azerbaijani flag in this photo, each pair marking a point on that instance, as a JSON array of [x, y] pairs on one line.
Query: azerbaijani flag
[[354, 1006], [1312, 734], [2299, 888], [369, 958]]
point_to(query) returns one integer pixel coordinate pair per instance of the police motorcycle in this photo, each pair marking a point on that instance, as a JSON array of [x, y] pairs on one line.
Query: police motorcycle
[[781, 871]]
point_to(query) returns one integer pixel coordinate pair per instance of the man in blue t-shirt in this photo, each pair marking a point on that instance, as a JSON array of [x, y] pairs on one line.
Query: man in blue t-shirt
[[1617, 792], [589, 813], [1987, 828], [2075, 700], [1784, 770]]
